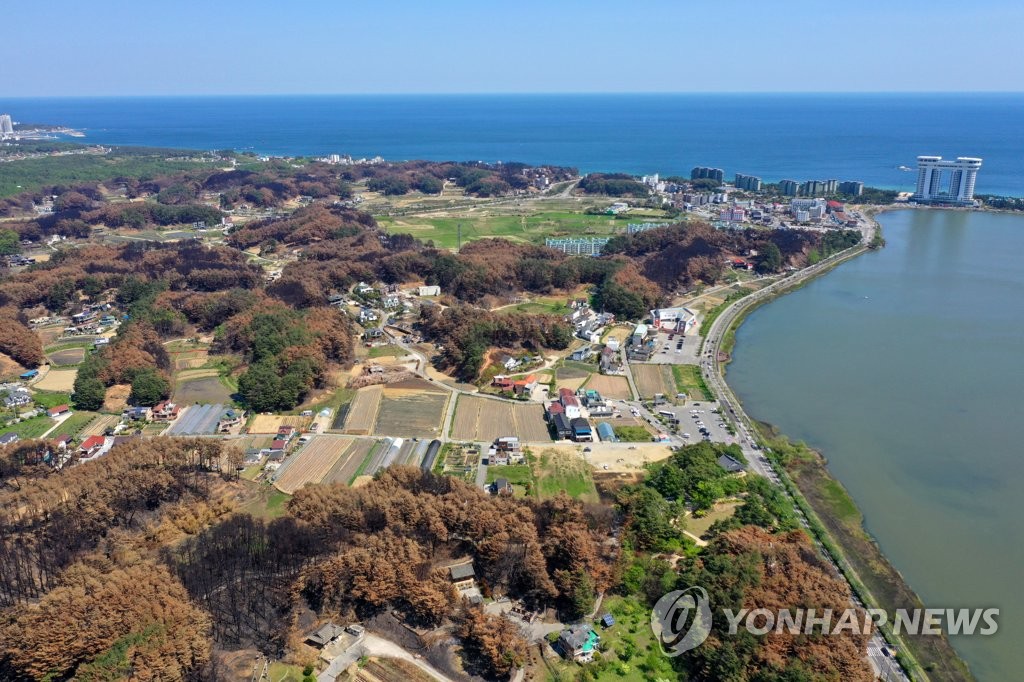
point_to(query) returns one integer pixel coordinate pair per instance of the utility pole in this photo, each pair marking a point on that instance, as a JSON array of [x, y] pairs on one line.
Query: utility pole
[[459, 238]]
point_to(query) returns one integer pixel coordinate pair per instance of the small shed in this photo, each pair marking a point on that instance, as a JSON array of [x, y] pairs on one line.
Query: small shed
[[607, 620]]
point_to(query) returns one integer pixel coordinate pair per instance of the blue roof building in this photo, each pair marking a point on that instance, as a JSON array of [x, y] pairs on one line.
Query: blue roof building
[[606, 432]]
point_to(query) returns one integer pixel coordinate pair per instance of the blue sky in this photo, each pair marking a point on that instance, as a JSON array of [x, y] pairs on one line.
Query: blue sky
[[337, 46]]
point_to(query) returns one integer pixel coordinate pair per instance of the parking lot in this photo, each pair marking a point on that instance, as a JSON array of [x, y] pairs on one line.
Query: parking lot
[[695, 416], [679, 350]]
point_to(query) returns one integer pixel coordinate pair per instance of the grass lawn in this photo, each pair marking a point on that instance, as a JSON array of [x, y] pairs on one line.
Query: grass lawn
[[48, 399], [386, 351], [532, 228], [30, 428], [721, 511], [630, 650], [558, 471], [689, 381], [632, 434], [536, 308], [281, 672], [519, 475]]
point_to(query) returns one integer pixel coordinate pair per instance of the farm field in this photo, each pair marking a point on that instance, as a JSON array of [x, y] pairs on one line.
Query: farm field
[[208, 389], [62, 380], [651, 379], [482, 419], [311, 463], [409, 409], [353, 462], [610, 386], [362, 412], [270, 423], [98, 426], [67, 356], [76, 423]]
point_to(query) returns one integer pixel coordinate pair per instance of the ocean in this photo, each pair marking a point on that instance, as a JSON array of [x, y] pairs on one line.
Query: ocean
[[904, 367], [864, 137]]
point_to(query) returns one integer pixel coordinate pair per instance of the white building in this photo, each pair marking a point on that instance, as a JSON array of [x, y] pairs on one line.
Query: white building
[[6, 125], [933, 185], [677, 319], [430, 291]]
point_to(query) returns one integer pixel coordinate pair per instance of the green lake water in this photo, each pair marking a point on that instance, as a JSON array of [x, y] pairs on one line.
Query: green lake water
[[905, 367]]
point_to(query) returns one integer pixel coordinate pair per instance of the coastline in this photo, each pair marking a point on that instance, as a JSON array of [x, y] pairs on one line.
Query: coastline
[[834, 518]]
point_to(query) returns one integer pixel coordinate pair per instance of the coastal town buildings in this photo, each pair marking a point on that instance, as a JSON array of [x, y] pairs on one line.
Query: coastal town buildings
[[704, 173], [750, 183], [578, 246]]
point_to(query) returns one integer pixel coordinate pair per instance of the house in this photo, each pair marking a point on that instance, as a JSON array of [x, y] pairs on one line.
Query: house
[[324, 635], [252, 456], [286, 432], [373, 333], [100, 342], [364, 288], [553, 409], [336, 299], [581, 431], [678, 320], [391, 301], [17, 397], [562, 427], [501, 487], [639, 335], [58, 411], [582, 354], [462, 575], [91, 445], [230, 419], [9, 438], [525, 386], [138, 413], [279, 444], [166, 411], [572, 406], [507, 449], [731, 464], [367, 315], [502, 382], [62, 442], [610, 361], [430, 291], [511, 363], [578, 642]]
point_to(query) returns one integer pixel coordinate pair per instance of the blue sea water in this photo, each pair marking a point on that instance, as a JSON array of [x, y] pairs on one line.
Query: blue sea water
[[849, 137]]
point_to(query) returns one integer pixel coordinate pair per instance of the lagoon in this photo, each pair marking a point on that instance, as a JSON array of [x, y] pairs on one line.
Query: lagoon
[[905, 367]]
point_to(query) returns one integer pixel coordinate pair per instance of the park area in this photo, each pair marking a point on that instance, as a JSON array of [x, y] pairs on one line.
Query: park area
[[484, 419], [653, 379]]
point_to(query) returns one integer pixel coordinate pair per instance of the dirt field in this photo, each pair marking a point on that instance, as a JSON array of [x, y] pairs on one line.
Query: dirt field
[[618, 333], [310, 464], [61, 380], [571, 384], [623, 457], [651, 379], [270, 423], [362, 413], [116, 398], [68, 356], [481, 419], [202, 390], [391, 670], [610, 386]]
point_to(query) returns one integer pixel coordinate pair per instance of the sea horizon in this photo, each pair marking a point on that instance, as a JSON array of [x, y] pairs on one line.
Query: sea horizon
[[865, 137]]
